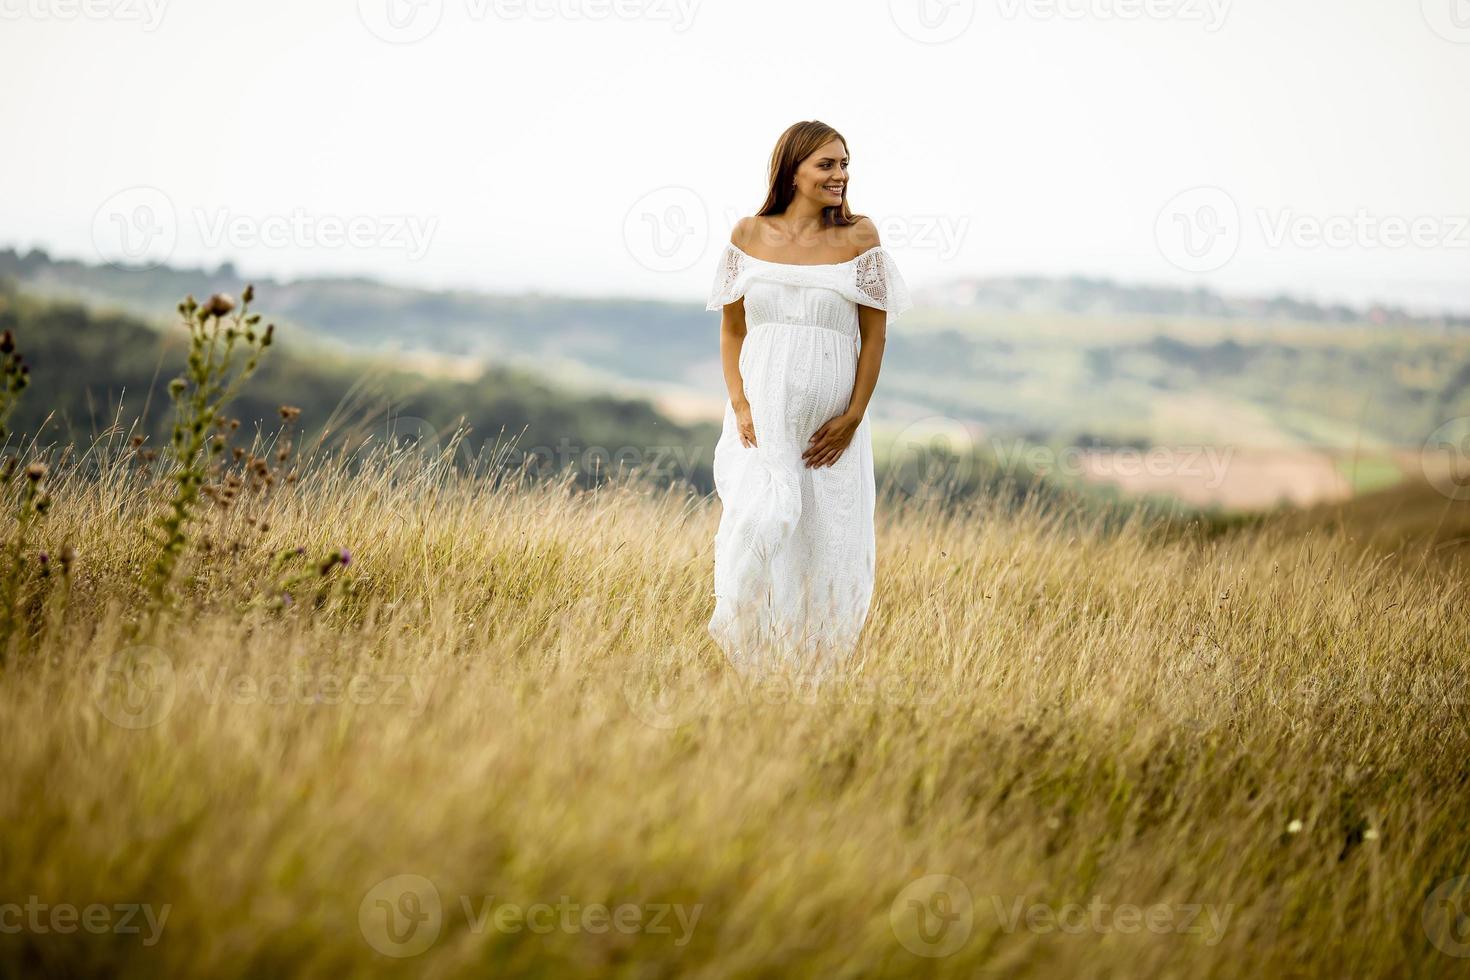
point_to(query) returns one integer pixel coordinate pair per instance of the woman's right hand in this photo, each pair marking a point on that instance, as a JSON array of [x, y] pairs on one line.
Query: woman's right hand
[[745, 424]]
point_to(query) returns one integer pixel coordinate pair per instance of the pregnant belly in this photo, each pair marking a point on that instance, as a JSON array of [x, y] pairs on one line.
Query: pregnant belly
[[796, 378]]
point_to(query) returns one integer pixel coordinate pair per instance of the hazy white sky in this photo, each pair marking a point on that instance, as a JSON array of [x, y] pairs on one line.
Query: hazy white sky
[[606, 146]]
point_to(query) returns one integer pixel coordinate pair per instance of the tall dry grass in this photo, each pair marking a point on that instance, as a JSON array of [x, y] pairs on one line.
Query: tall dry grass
[[1251, 750]]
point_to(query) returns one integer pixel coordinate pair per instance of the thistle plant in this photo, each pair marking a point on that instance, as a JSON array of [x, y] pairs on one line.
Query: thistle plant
[[32, 506], [33, 500], [15, 374], [244, 475], [225, 346], [297, 573]]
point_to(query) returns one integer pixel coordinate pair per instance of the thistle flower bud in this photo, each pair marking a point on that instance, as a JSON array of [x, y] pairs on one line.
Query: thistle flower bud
[[219, 304], [289, 412], [68, 558], [249, 293], [270, 330], [176, 387], [35, 472], [341, 556], [7, 342]]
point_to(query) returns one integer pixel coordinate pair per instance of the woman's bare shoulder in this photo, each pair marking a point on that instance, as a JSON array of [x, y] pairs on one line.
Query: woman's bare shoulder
[[746, 231], [862, 235]]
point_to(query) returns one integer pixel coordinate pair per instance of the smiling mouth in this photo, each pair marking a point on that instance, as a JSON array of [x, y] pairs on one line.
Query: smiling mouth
[[833, 190]]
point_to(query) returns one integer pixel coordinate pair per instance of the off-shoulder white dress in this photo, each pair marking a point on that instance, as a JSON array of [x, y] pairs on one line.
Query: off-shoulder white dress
[[794, 552]]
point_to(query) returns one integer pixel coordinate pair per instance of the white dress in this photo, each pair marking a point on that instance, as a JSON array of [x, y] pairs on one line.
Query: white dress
[[794, 552]]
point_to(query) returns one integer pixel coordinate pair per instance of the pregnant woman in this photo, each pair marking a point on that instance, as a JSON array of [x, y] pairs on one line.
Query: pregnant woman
[[806, 291]]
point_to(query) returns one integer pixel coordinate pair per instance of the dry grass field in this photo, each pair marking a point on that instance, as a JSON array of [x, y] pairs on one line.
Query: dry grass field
[[496, 741]]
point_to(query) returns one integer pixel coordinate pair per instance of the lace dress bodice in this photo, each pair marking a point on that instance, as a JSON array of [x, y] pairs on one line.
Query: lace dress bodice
[[810, 295]]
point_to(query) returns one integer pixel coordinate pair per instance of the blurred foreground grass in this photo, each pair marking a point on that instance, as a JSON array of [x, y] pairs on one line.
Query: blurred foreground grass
[[498, 742]]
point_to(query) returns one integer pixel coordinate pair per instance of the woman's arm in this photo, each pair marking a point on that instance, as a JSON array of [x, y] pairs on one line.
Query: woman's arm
[[873, 326], [732, 338]]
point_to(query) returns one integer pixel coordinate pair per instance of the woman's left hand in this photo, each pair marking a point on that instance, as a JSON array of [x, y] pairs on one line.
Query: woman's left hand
[[828, 442]]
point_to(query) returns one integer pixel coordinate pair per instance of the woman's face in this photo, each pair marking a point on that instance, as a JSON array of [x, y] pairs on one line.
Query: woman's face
[[822, 177]]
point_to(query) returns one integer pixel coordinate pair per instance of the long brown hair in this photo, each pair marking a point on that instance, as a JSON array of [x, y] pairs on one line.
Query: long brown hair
[[800, 141]]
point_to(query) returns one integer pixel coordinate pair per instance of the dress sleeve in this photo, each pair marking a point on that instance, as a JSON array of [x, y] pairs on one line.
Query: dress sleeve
[[877, 282], [729, 284]]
